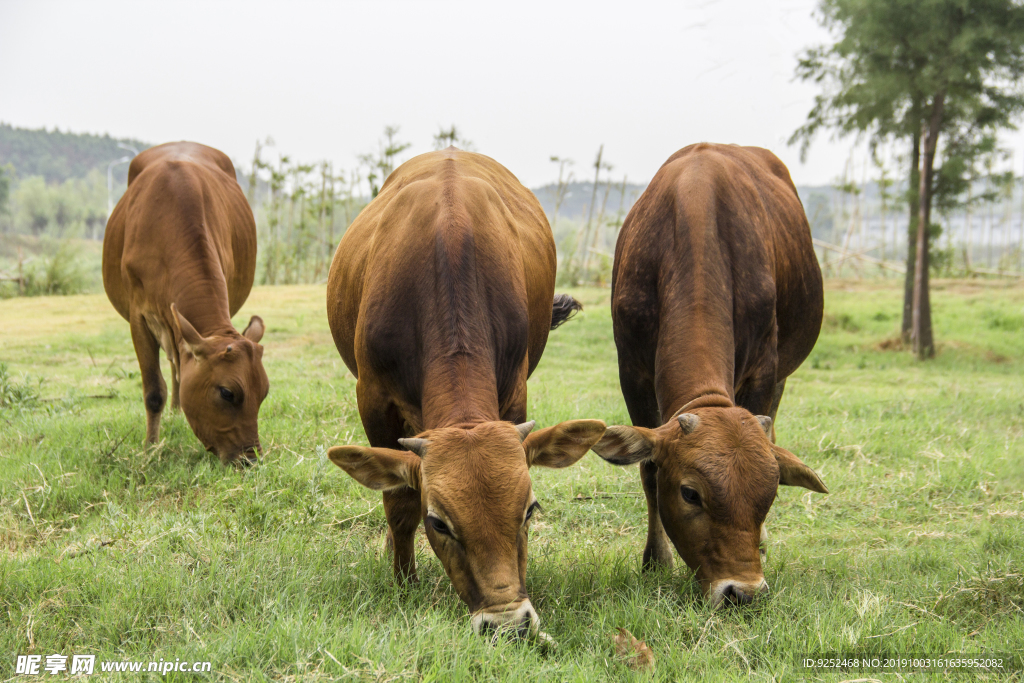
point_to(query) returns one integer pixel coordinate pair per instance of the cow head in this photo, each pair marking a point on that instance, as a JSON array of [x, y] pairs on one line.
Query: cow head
[[717, 476], [477, 500], [222, 384]]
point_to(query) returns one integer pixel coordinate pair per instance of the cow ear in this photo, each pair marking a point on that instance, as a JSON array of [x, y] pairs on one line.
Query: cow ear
[[792, 472], [254, 330], [193, 341], [563, 444], [622, 445], [380, 469]]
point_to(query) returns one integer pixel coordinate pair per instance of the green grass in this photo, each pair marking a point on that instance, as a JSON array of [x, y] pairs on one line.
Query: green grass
[[280, 572]]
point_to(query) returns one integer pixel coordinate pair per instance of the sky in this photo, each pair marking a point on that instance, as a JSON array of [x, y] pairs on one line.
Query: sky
[[522, 81]]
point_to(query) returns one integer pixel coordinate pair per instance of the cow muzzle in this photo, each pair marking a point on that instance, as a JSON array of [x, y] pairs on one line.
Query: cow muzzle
[[247, 457], [516, 620], [726, 592]]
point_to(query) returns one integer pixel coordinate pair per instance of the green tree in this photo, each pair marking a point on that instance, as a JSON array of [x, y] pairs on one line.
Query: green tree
[[562, 187], [6, 174], [452, 137], [35, 209], [380, 165], [914, 70], [92, 195]]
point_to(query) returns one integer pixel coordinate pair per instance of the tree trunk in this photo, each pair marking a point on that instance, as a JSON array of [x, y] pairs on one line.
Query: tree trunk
[[1020, 243], [881, 218], [584, 255], [599, 228], [912, 200], [969, 220], [921, 331], [251, 194]]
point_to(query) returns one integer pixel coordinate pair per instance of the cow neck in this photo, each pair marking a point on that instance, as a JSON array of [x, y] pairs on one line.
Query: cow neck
[[205, 305], [694, 395], [696, 352], [712, 400], [459, 391]]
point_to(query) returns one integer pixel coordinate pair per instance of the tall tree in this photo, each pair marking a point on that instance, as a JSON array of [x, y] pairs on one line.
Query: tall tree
[[562, 187], [6, 174], [452, 137], [914, 70], [379, 166]]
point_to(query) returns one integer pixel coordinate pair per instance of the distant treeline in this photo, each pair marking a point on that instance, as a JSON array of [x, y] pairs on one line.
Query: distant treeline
[[576, 202], [58, 156], [54, 185]]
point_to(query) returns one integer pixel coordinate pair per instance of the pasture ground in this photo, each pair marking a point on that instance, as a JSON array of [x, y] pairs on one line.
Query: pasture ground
[[280, 572]]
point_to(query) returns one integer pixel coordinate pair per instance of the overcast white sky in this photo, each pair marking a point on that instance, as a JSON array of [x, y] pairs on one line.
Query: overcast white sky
[[523, 80]]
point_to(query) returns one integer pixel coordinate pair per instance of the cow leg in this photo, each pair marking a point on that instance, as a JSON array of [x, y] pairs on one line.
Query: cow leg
[[175, 384], [643, 411], [658, 551], [154, 390], [757, 393], [638, 392], [762, 545], [384, 426], [402, 510], [776, 399]]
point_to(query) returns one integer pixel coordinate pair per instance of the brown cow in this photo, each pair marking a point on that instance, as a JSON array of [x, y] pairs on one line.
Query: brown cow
[[716, 299], [440, 299], [179, 257]]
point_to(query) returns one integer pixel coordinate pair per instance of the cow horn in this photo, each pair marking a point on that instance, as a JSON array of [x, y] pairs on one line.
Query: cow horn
[[525, 429], [766, 424], [688, 422], [417, 446]]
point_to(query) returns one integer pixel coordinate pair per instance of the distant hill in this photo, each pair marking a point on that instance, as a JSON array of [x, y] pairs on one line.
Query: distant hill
[[819, 201], [58, 156], [576, 203]]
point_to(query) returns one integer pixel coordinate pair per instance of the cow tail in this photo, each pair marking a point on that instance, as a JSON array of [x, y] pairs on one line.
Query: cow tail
[[563, 308]]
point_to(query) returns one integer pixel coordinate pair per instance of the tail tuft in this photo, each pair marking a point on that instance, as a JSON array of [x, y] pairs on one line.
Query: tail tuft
[[563, 308]]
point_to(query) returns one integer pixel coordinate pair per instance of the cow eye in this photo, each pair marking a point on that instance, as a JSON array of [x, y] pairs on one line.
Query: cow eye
[[533, 508], [439, 526], [227, 395], [690, 495]]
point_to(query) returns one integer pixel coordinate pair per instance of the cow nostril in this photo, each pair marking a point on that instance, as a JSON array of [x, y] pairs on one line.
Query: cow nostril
[[736, 595], [523, 629], [251, 456], [245, 459]]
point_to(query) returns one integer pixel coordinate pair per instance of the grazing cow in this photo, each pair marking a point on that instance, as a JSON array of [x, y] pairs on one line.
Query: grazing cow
[[179, 257], [440, 299], [716, 299]]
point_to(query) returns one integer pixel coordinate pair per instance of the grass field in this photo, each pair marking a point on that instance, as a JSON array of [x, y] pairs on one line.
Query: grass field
[[280, 572]]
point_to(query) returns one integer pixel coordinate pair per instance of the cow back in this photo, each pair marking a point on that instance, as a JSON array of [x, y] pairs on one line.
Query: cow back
[[183, 218], [453, 259], [715, 273]]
